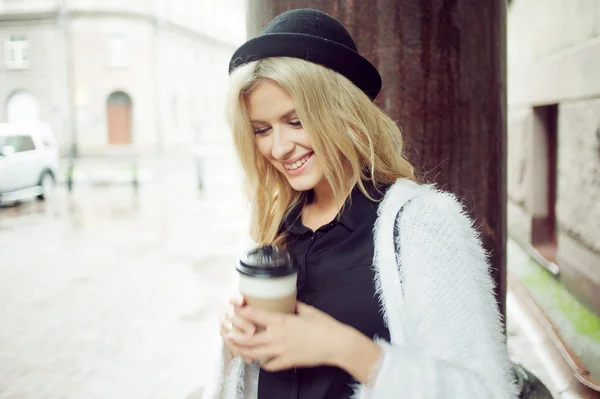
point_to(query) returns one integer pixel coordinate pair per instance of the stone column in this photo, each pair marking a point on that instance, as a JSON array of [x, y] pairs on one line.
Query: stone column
[[443, 64]]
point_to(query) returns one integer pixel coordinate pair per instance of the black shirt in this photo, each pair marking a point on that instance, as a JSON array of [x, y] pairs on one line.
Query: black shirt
[[336, 276]]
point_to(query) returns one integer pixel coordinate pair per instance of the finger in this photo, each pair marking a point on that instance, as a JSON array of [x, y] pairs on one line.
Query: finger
[[242, 325], [260, 317], [250, 341], [237, 300], [224, 331], [302, 308], [258, 353], [275, 364], [229, 344], [237, 312], [231, 348], [227, 326], [224, 325]]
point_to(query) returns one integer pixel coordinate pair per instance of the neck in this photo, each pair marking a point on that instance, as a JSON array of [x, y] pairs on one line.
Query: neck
[[324, 198], [324, 206]]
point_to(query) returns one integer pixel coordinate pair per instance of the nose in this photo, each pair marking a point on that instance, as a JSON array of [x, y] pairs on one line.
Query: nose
[[283, 147]]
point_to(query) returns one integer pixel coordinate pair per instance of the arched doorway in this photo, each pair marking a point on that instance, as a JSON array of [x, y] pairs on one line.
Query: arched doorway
[[22, 106], [118, 117]]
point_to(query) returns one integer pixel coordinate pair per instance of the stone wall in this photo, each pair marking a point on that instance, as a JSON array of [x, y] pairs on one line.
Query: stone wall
[[554, 59]]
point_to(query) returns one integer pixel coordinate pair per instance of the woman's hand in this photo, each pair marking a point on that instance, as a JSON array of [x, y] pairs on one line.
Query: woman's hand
[[231, 322], [308, 338]]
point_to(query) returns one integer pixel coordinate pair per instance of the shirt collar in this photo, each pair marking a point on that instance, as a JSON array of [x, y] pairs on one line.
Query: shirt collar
[[358, 207], [293, 222], [355, 209]]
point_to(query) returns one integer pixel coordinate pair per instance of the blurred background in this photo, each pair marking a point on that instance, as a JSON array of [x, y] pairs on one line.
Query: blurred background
[[120, 196]]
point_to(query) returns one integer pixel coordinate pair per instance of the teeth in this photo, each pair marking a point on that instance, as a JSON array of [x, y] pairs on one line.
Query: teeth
[[296, 165]]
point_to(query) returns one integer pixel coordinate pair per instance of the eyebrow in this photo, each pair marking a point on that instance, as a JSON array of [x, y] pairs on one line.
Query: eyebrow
[[282, 117]]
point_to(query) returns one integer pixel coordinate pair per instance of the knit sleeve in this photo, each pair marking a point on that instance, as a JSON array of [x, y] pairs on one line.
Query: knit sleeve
[[220, 372], [231, 378], [222, 363], [453, 343]]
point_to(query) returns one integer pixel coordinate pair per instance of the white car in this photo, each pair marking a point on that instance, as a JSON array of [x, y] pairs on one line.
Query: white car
[[28, 161]]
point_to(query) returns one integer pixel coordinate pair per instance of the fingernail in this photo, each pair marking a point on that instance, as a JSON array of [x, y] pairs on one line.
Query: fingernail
[[231, 336]]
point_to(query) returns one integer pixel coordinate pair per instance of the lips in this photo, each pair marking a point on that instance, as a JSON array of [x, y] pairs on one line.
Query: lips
[[297, 164]]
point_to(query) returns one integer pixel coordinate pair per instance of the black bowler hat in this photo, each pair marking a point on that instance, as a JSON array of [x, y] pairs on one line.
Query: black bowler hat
[[314, 36]]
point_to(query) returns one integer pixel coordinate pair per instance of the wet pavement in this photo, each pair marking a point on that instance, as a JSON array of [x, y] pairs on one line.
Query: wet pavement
[[525, 349], [109, 293]]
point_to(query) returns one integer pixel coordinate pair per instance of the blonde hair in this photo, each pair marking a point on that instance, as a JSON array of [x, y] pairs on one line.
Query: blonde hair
[[339, 119]]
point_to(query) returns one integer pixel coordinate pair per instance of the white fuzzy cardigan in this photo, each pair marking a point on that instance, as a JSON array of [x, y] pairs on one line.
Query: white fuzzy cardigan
[[437, 299]]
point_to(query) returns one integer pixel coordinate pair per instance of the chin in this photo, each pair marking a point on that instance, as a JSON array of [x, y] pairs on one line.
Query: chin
[[303, 183]]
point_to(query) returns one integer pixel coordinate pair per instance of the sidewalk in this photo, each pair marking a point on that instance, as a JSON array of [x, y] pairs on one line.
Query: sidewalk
[[524, 346], [109, 292]]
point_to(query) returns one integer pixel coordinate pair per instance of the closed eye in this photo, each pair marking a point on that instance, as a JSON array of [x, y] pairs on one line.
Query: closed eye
[[261, 130], [295, 123]]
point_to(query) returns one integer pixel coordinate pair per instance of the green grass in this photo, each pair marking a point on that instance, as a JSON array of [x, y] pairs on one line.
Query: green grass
[[583, 320], [548, 292]]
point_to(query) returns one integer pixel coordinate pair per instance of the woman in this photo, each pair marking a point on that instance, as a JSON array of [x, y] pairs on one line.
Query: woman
[[395, 299]]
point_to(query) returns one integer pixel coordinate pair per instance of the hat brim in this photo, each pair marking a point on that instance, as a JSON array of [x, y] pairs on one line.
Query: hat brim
[[313, 49]]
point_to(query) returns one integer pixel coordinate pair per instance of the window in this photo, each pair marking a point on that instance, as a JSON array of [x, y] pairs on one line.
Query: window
[[118, 55], [16, 52], [20, 143], [543, 190], [22, 106], [25, 144]]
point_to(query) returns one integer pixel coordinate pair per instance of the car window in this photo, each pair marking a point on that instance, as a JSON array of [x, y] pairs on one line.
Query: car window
[[20, 143], [12, 141], [26, 144]]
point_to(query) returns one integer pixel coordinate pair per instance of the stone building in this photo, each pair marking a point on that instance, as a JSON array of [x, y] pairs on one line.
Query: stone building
[[150, 73], [554, 137]]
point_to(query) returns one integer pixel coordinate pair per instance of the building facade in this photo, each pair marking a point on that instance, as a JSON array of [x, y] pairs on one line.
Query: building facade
[[150, 73], [554, 137]]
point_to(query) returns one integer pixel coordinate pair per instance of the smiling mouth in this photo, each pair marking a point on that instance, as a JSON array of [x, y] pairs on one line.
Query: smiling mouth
[[297, 164]]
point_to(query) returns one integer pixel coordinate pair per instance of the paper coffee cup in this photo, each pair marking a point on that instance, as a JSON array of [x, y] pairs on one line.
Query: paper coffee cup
[[267, 279]]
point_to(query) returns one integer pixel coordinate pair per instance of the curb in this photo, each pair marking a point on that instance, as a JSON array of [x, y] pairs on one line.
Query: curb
[[576, 379]]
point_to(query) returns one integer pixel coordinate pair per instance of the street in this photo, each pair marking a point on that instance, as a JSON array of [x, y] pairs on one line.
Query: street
[[108, 294]]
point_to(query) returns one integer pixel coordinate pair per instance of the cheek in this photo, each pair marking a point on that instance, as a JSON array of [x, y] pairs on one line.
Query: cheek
[[303, 139], [317, 168], [263, 147]]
